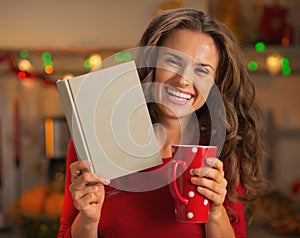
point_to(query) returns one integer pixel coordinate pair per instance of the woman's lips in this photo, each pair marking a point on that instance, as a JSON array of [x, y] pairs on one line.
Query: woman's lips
[[178, 97]]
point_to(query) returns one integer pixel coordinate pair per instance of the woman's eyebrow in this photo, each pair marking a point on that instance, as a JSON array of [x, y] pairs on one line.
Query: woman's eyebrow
[[174, 55]]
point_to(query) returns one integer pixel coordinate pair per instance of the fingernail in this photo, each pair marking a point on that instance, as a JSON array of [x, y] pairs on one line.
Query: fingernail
[[210, 161], [103, 180], [200, 188]]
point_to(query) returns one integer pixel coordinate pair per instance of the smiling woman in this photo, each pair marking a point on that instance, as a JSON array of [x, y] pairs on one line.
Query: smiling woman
[[194, 74], [185, 70]]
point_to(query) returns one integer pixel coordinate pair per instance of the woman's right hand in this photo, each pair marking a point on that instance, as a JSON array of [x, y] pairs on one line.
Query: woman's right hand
[[87, 191]]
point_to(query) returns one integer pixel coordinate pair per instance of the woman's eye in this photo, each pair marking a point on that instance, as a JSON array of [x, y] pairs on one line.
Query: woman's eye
[[173, 62], [201, 70]]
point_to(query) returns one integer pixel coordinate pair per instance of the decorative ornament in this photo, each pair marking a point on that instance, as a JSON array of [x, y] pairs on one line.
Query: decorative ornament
[[273, 27]]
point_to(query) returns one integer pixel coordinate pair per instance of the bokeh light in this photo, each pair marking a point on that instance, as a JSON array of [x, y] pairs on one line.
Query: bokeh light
[[24, 53], [252, 65], [260, 46], [49, 69]]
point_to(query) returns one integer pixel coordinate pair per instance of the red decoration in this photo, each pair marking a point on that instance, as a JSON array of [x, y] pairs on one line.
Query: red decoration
[[296, 187], [21, 75], [7, 57], [273, 27]]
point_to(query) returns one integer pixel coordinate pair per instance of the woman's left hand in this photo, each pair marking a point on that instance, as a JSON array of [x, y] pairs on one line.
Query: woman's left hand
[[211, 183]]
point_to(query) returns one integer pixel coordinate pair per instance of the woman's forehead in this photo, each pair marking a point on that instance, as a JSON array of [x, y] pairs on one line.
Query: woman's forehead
[[192, 46]]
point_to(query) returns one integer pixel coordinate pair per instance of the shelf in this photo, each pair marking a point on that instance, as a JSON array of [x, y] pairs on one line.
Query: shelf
[[291, 52]]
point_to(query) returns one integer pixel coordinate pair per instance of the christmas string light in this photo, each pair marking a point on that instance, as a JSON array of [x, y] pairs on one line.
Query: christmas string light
[[48, 63], [19, 63], [260, 46], [25, 63], [252, 65], [274, 62], [285, 66], [24, 53], [17, 68], [123, 56]]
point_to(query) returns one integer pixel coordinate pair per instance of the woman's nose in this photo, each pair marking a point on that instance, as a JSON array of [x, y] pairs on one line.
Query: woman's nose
[[184, 78]]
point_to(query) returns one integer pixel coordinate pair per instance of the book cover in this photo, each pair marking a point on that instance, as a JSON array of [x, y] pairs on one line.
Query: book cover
[[109, 121]]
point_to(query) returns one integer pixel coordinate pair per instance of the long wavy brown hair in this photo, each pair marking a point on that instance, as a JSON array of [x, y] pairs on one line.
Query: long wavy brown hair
[[242, 152]]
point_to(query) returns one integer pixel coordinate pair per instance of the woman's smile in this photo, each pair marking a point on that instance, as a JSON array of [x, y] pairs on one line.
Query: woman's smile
[[177, 96]]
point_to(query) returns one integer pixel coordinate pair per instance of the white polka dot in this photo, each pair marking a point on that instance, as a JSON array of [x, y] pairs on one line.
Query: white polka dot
[[190, 215], [192, 172], [205, 202], [194, 149], [175, 211], [191, 194]]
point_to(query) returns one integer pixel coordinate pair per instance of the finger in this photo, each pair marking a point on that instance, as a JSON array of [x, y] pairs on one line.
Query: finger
[[215, 198], [89, 178], [206, 183], [212, 185], [85, 202], [211, 173], [78, 166], [202, 172], [80, 192], [102, 179], [215, 163]]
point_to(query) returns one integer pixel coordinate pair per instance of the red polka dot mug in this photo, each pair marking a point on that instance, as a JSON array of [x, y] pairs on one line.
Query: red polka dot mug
[[190, 206]]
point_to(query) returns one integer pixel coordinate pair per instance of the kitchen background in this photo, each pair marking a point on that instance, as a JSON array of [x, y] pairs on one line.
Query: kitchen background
[[42, 41]]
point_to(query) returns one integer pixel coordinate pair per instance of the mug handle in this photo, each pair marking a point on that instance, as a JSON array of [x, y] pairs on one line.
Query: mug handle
[[174, 183]]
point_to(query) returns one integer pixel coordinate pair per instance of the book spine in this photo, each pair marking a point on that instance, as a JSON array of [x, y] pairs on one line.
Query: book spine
[[71, 114]]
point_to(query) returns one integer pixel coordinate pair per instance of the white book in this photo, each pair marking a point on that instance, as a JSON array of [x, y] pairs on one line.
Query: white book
[[109, 121]]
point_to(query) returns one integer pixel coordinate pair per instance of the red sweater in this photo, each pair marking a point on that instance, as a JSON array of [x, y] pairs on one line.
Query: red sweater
[[139, 214]]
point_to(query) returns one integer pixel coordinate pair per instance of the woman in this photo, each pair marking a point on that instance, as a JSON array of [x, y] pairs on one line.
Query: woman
[[195, 52]]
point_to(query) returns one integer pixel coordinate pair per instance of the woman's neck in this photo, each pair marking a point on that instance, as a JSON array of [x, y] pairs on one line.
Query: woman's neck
[[170, 132]]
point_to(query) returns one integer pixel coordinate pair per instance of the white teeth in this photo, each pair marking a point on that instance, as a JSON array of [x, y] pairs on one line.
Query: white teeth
[[177, 94]]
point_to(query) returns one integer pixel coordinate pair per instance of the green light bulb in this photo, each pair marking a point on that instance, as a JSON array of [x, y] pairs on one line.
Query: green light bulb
[[119, 56], [46, 56], [87, 64], [24, 54], [127, 56], [286, 70], [260, 46], [252, 65], [285, 62]]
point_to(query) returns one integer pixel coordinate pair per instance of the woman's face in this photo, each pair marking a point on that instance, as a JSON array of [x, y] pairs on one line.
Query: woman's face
[[185, 72]]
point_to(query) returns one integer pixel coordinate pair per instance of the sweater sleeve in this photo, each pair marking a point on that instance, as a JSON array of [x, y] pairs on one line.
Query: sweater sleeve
[[69, 212]]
